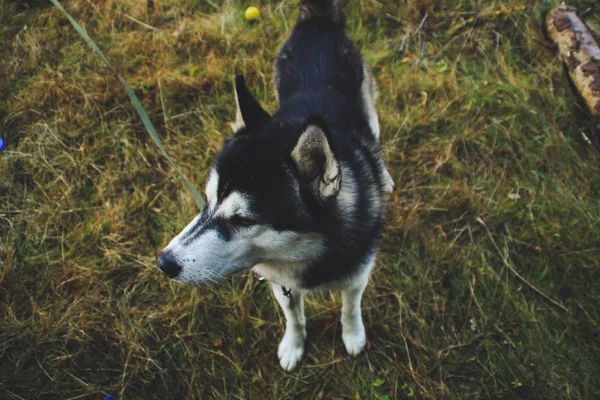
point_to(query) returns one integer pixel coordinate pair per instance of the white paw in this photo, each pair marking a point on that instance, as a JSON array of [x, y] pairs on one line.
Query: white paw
[[389, 182], [291, 349], [355, 341]]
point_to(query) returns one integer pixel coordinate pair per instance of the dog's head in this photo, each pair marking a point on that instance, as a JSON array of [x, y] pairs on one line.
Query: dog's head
[[266, 196]]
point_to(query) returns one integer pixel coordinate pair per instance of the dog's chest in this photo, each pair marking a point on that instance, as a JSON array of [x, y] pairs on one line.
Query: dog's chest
[[285, 276]]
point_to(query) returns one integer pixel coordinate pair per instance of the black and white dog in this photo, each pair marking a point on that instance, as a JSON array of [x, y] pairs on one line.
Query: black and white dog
[[297, 197]]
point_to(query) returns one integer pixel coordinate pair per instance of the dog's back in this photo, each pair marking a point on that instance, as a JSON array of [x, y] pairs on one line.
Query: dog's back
[[318, 56], [319, 70]]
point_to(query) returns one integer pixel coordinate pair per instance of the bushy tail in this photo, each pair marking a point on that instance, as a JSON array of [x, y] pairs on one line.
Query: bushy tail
[[330, 9]]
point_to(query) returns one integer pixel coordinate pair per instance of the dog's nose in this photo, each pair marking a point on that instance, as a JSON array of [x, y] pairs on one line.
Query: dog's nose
[[168, 264]]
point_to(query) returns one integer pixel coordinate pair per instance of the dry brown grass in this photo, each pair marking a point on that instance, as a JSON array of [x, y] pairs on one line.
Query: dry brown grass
[[478, 122]]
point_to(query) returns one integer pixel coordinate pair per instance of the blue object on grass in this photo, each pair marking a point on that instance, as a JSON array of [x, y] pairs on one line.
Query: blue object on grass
[[109, 398], [1, 144]]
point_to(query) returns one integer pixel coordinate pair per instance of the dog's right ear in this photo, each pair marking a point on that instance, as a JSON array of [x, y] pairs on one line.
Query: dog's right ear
[[316, 159], [249, 113]]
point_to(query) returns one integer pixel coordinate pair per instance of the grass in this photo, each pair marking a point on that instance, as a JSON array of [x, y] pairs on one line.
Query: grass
[[479, 126]]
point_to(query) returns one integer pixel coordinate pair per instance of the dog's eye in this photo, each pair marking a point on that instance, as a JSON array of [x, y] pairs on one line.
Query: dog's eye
[[238, 220]]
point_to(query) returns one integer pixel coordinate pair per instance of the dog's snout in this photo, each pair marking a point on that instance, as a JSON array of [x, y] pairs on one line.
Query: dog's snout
[[168, 264]]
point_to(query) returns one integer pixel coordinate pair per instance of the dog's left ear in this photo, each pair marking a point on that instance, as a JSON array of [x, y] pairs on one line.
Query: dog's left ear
[[316, 158], [249, 113]]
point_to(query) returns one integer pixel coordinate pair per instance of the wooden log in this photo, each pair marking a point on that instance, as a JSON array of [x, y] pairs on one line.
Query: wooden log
[[579, 52]]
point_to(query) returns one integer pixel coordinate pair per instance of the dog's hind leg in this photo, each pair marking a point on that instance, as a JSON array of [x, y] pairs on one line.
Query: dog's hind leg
[[291, 348], [369, 95], [389, 181], [353, 329]]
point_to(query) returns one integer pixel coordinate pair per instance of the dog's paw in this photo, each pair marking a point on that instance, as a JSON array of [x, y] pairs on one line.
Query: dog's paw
[[389, 182], [355, 341], [291, 350]]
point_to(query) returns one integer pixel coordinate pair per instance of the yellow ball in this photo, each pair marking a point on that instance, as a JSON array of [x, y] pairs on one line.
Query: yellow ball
[[252, 13]]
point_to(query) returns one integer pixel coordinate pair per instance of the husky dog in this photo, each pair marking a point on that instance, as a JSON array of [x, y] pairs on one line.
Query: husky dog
[[297, 197]]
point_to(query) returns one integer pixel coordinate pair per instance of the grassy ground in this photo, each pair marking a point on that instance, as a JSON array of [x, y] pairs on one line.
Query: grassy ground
[[479, 127]]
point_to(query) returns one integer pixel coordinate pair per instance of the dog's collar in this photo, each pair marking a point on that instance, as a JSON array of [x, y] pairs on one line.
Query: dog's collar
[[287, 292]]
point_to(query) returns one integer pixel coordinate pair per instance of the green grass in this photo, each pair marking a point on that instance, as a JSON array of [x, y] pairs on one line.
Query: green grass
[[478, 122]]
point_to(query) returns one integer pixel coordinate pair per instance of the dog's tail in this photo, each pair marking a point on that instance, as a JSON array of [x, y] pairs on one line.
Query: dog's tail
[[329, 9]]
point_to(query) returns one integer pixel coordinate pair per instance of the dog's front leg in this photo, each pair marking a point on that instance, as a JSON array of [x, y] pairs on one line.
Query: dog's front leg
[[353, 329], [291, 348]]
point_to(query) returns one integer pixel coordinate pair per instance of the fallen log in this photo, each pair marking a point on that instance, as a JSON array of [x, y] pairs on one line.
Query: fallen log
[[579, 52]]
